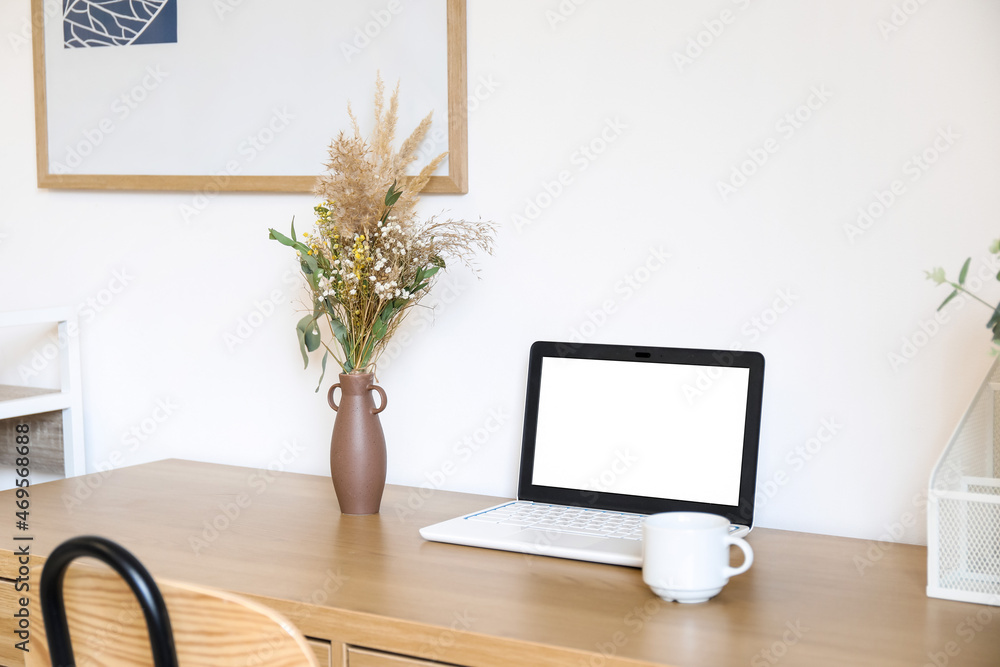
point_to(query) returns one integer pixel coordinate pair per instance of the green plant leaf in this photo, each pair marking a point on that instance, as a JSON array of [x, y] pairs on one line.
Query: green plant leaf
[[964, 272], [309, 266], [379, 329], [312, 338], [951, 296], [310, 332], [275, 235], [300, 329], [322, 373], [994, 322], [340, 333], [290, 242], [393, 195], [937, 275]]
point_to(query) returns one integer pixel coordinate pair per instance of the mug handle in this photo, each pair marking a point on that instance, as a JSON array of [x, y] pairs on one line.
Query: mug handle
[[747, 557]]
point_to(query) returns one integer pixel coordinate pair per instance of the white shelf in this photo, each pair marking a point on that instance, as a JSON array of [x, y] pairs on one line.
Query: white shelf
[[16, 401]]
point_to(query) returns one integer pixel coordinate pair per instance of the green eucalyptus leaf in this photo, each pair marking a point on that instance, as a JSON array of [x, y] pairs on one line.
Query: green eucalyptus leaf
[[310, 332], [951, 296], [275, 235], [994, 322], [341, 334], [312, 338], [291, 243], [300, 330], [322, 374], [309, 265], [393, 195], [964, 272]]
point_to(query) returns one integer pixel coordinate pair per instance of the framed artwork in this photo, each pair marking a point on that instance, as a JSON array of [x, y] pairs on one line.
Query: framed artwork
[[234, 95]]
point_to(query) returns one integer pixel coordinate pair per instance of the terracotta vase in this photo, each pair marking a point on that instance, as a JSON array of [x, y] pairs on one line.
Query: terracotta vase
[[357, 448]]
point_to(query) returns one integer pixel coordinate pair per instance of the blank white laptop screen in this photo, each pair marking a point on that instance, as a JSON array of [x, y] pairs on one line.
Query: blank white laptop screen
[[639, 429]]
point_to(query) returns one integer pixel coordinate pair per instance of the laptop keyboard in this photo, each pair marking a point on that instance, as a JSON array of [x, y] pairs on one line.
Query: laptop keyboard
[[565, 519]]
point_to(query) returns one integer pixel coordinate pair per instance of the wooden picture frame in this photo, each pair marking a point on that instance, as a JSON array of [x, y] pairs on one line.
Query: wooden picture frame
[[455, 181]]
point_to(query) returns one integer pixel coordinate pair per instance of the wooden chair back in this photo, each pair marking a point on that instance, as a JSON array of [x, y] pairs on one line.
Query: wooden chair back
[[210, 628]]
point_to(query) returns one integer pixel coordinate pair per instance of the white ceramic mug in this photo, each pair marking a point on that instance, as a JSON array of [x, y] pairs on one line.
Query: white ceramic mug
[[685, 555]]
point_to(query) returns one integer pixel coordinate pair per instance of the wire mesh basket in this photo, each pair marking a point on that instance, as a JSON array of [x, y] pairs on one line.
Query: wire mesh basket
[[963, 510]]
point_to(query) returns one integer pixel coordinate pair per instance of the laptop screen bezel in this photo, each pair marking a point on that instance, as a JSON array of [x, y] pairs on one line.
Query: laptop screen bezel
[[740, 514]]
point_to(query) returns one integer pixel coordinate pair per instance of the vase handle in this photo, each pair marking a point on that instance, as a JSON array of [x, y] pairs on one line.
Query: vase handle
[[381, 393], [329, 397]]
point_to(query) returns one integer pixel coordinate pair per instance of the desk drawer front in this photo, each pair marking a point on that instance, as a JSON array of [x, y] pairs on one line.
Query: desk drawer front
[[359, 657], [322, 650]]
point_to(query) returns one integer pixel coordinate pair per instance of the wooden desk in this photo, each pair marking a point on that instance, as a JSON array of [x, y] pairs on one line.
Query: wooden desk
[[374, 594]]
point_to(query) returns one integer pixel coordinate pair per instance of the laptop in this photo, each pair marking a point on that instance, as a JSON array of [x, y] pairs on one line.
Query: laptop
[[613, 433]]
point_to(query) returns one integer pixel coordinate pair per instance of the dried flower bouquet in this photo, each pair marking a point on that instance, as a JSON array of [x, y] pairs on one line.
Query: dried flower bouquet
[[370, 257]]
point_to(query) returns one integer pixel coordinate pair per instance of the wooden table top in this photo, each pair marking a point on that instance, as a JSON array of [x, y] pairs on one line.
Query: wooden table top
[[807, 600]]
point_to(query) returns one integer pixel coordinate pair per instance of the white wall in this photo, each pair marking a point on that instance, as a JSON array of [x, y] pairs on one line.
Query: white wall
[[543, 89]]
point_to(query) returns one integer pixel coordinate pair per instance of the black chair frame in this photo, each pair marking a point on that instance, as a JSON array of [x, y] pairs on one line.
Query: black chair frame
[[161, 637]]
